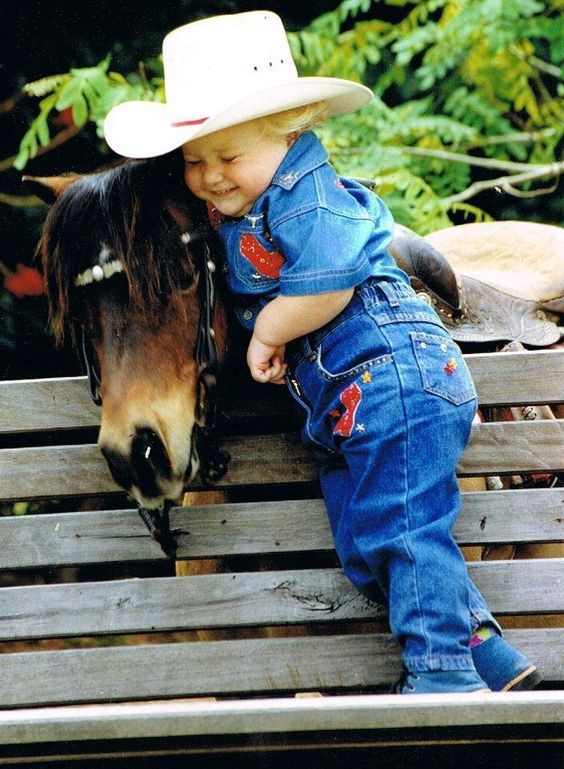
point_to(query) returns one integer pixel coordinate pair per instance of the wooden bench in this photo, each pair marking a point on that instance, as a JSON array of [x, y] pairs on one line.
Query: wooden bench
[[99, 657]]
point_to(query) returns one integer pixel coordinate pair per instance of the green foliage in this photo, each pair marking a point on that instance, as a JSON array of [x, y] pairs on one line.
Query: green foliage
[[89, 93], [461, 80], [456, 82]]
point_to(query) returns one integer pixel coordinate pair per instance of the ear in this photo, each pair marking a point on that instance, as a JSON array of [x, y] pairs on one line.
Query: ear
[[48, 188]]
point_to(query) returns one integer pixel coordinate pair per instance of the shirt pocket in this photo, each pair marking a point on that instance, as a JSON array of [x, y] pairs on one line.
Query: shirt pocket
[[443, 369], [257, 261]]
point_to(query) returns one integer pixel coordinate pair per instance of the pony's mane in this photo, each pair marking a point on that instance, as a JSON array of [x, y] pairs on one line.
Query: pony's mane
[[137, 210]]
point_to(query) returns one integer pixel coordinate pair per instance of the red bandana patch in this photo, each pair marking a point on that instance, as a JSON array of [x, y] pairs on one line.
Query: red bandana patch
[[350, 398], [266, 262]]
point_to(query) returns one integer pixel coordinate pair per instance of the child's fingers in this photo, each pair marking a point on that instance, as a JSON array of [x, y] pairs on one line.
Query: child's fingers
[[279, 371], [271, 373]]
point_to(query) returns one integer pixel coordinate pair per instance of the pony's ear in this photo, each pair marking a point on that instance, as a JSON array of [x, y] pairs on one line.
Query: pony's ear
[[48, 188]]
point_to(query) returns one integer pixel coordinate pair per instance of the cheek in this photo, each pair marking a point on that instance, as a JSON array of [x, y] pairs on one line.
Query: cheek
[[191, 178]]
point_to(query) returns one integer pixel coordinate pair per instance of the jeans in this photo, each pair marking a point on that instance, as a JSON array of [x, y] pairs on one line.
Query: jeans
[[389, 405]]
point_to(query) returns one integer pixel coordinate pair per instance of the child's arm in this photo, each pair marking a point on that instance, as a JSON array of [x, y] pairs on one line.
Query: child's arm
[[284, 319]]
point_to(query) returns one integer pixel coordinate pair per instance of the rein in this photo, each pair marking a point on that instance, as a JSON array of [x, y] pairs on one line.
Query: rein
[[206, 353]]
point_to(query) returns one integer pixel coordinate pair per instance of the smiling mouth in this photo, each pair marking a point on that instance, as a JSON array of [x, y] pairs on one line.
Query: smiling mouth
[[224, 193]]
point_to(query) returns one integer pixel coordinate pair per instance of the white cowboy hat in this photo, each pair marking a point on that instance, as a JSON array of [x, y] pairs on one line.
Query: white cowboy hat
[[220, 72]]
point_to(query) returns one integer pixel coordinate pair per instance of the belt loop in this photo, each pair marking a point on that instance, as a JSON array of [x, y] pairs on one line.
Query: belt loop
[[389, 292], [307, 348]]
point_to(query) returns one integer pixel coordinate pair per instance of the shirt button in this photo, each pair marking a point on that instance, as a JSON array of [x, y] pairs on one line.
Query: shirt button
[[247, 314]]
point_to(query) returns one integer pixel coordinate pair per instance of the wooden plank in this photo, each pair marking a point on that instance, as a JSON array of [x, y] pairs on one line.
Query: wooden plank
[[46, 404], [242, 528], [513, 378], [226, 667], [64, 403], [514, 447], [182, 603], [246, 599], [57, 471], [62, 471], [361, 718]]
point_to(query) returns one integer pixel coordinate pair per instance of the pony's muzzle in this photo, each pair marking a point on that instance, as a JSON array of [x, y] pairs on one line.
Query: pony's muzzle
[[145, 471]]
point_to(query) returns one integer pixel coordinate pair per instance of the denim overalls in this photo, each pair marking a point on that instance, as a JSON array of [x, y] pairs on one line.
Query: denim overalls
[[388, 399]]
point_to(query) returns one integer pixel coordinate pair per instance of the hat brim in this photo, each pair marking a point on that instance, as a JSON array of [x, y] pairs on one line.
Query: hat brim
[[140, 129]]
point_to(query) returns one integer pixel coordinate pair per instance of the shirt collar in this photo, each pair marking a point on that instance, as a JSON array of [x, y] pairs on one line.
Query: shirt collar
[[305, 154]]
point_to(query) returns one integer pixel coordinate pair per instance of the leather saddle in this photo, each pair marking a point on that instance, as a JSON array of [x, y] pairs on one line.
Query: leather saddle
[[471, 309]]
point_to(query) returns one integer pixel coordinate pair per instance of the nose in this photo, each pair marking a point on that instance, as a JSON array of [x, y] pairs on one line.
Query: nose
[[146, 467], [212, 173]]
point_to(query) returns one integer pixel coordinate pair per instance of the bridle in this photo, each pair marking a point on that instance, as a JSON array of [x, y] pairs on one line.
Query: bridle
[[206, 352]]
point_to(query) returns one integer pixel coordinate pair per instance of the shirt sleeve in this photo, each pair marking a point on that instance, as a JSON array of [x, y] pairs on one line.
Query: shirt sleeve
[[328, 251]]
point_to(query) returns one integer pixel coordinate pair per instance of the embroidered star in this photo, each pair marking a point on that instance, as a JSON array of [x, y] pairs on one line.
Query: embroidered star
[[451, 366], [366, 377], [359, 427]]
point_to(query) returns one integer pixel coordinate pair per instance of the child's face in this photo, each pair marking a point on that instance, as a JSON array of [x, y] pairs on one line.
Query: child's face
[[232, 168]]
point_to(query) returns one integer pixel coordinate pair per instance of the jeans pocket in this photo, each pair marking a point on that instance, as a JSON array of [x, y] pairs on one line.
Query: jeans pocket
[[443, 369], [354, 346]]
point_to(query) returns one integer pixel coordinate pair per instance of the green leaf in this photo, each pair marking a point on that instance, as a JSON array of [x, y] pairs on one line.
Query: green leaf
[[80, 111], [71, 91]]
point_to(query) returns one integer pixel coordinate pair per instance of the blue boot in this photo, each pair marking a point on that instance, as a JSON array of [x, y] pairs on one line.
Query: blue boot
[[501, 666], [439, 682]]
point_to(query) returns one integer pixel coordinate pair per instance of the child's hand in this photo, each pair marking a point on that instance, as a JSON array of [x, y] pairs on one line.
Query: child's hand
[[266, 362]]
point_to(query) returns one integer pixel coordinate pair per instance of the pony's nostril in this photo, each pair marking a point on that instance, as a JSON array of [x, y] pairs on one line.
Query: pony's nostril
[[148, 454], [146, 466], [119, 467]]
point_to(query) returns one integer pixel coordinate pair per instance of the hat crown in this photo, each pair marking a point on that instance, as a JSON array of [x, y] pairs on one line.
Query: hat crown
[[214, 63]]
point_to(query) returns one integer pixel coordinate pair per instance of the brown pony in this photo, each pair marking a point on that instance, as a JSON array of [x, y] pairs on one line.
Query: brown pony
[[128, 266]]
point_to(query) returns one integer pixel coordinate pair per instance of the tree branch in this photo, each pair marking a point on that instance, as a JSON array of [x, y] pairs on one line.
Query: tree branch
[[471, 160], [506, 183], [20, 201], [59, 138], [9, 104]]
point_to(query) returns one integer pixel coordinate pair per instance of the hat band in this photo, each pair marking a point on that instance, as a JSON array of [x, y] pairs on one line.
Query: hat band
[[180, 123]]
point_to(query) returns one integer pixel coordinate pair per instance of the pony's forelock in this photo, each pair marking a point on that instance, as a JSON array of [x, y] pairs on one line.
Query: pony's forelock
[[134, 210]]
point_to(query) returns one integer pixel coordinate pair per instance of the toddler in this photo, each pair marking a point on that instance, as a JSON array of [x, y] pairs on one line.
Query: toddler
[[387, 396]]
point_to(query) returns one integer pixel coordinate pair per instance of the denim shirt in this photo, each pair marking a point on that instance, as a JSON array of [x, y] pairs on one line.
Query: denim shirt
[[310, 232]]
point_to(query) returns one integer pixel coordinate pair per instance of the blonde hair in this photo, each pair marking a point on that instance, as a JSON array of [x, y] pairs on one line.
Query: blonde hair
[[296, 120]]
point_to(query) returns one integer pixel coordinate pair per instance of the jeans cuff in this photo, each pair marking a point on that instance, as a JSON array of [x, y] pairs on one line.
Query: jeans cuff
[[484, 618], [422, 663]]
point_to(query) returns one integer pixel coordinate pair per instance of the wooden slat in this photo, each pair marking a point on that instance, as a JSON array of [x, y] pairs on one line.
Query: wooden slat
[[226, 667], [246, 599], [514, 447], [61, 471], [64, 403], [181, 603], [57, 471], [366, 719], [46, 404], [532, 377], [215, 531]]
